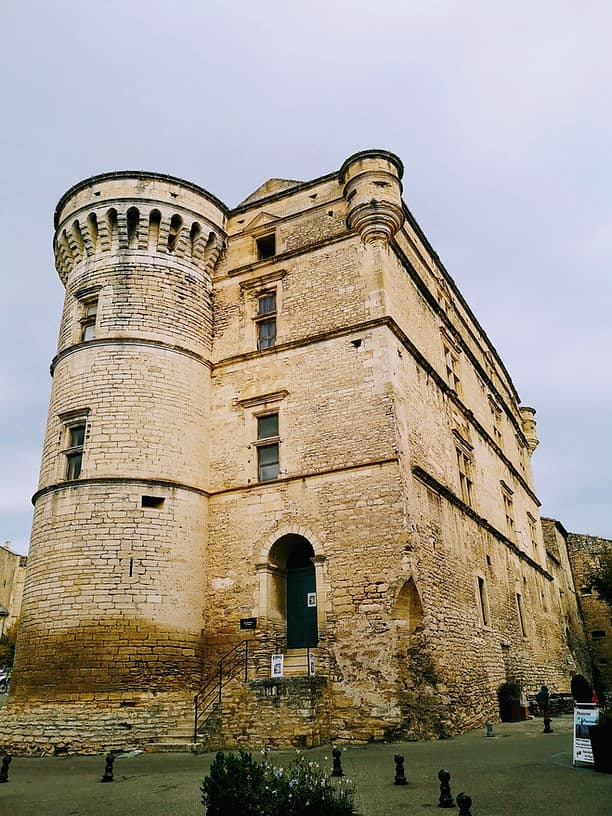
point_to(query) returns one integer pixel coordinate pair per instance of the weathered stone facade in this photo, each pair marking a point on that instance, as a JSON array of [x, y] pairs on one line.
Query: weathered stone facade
[[285, 411], [12, 579], [584, 553]]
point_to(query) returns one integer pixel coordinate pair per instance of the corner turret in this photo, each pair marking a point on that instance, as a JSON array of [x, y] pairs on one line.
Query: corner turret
[[373, 191]]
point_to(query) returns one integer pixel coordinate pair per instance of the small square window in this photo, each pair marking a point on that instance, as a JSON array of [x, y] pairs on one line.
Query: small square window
[[266, 246], [266, 333], [266, 304], [73, 465], [267, 426]]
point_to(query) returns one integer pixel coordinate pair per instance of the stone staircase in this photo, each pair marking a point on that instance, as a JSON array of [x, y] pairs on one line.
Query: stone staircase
[[180, 738]]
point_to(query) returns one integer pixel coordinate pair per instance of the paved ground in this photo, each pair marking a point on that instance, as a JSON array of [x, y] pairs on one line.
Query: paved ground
[[520, 771]]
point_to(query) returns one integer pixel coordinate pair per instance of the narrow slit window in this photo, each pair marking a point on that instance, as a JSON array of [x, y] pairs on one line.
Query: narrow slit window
[[482, 597], [519, 608]]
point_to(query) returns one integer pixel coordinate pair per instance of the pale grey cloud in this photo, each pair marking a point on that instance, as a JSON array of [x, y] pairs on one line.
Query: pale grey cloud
[[501, 113]]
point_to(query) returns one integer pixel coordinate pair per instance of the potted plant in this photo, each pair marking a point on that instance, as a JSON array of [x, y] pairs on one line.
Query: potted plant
[[509, 697], [601, 741]]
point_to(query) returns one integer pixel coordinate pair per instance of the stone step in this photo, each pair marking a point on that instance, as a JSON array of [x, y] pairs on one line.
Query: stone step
[[185, 747]]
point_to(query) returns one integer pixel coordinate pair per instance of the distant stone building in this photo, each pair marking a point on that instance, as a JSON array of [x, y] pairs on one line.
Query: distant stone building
[[281, 416], [584, 552], [12, 577]]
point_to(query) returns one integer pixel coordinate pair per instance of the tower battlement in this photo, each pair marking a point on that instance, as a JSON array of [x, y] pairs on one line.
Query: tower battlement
[[137, 212]]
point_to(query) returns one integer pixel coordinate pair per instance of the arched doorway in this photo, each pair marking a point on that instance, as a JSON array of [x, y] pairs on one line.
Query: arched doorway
[[296, 589]]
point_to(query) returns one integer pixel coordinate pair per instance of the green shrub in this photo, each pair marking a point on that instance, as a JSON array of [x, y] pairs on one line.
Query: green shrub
[[238, 785]]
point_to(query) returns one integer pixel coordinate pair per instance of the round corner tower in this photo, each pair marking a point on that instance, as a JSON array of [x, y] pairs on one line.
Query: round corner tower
[[114, 596]]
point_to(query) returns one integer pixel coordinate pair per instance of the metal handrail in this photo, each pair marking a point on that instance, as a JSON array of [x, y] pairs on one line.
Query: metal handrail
[[209, 696]]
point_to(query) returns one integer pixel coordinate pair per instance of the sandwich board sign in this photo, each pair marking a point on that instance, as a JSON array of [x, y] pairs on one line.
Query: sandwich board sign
[[585, 714]]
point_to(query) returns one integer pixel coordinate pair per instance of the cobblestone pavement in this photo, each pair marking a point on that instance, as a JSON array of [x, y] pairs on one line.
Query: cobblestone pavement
[[519, 771]]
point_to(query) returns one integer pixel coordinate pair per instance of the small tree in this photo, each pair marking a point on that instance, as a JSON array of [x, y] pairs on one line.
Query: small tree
[[600, 577], [7, 646]]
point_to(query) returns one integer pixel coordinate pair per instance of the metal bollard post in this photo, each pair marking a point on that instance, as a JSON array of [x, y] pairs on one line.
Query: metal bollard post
[[6, 761], [108, 768], [547, 728], [337, 769], [400, 773], [445, 800], [464, 801], [489, 727]]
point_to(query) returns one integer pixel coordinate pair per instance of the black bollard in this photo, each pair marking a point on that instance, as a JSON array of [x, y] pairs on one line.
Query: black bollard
[[445, 800], [547, 728], [108, 768], [400, 773], [6, 761], [489, 727], [464, 801], [337, 769]]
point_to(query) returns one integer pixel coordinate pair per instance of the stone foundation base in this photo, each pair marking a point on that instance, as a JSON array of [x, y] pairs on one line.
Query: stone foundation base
[[31, 728]]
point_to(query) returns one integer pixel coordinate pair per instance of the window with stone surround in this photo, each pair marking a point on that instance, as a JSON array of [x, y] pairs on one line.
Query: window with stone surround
[[451, 363], [266, 246], [265, 320], [508, 501], [75, 440], [466, 482], [267, 445], [89, 315]]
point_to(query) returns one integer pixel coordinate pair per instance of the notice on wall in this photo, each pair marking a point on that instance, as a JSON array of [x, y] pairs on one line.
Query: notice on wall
[[277, 667], [585, 714], [311, 664]]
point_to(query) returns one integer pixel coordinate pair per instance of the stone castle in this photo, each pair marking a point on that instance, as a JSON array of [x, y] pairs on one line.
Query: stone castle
[[276, 429]]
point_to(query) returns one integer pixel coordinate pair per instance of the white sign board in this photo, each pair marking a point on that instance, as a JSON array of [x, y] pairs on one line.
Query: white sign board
[[312, 599], [585, 714], [311, 665], [277, 668]]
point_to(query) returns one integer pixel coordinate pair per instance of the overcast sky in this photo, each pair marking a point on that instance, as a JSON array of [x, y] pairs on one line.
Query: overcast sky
[[501, 112]]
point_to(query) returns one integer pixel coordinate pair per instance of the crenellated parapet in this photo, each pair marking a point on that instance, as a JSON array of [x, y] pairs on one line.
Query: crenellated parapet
[[373, 192], [529, 427], [133, 212]]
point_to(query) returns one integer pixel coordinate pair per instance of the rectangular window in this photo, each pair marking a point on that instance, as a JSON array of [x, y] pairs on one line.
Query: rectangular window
[[519, 608], [266, 321], [482, 597], [74, 451], [89, 313], [508, 509], [266, 246], [464, 465], [452, 370], [267, 447]]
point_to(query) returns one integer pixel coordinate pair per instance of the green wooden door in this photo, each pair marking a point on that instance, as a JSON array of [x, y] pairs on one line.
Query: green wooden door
[[301, 618]]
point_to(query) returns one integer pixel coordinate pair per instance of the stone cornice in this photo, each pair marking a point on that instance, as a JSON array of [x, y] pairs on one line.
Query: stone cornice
[[315, 474], [117, 480], [388, 322], [431, 482], [126, 341], [433, 303]]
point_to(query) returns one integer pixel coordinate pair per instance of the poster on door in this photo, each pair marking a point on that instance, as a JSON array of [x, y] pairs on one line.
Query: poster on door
[[277, 667], [585, 714]]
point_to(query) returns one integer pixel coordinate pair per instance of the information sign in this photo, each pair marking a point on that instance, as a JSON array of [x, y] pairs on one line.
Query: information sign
[[585, 714]]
